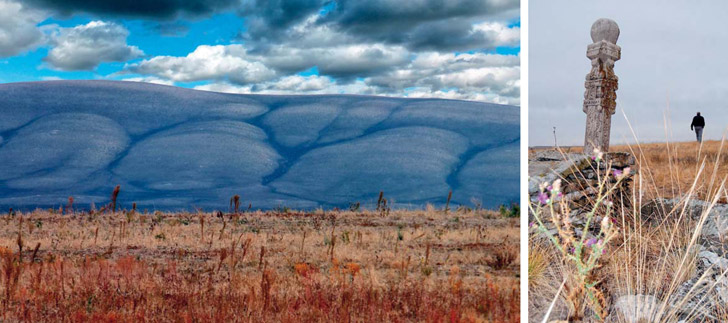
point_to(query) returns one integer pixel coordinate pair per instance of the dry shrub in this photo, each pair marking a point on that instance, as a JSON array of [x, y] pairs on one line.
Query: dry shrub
[[503, 257], [129, 290], [11, 269], [114, 196], [538, 262]]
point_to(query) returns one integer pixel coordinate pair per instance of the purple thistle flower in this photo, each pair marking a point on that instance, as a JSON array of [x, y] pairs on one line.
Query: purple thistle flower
[[543, 198], [591, 242], [617, 173], [530, 224]]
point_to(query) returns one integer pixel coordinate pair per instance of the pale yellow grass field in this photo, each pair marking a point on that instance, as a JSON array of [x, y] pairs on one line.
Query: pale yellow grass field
[[672, 168], [450, 256]]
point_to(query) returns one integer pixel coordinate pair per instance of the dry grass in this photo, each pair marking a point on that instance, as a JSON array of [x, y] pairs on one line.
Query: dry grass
[[262, 266], [671, 168]]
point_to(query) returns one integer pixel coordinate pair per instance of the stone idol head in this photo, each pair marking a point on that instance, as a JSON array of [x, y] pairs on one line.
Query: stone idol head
[[605, 29]]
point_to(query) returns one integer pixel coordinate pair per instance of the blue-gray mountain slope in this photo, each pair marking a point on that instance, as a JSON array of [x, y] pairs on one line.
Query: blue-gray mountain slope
[[176, 148]]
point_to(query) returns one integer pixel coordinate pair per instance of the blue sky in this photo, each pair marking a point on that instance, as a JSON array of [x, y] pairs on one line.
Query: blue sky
[[463, 49]]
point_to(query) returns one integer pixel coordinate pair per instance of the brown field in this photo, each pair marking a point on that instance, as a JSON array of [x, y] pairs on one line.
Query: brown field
[[288, 266]]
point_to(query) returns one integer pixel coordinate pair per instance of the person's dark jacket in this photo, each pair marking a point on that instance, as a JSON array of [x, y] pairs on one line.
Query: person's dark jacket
[[698, 121]]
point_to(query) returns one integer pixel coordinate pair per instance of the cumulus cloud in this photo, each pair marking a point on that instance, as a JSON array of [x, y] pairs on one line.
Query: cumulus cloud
[[460, 95], [340, 47], [464, 76], [340, 61], [499, 33], [267, 19], [347, 62], [235, 64], [293, 84], [420, 24], [298, 83], [231, 63], [480, 77], [373, 15], [462, 35], [285, 85], [378, 47], [18, 28], [164, 9], [84, 47], [152, 79]]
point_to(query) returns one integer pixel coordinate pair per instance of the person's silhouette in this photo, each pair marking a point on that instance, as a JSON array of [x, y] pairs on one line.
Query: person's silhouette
[[698, 124]]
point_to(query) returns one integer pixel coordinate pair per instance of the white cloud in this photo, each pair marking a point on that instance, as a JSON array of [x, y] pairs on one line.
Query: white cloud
[[341, 61], [224, 88], [452, 62], [348, 64], [18, 28], [312, 33], [460, 95], [479, 76], [498, 33], [230, 62], [293, 84], [467, 85], [300, 83], [234, 64], [406, 51], [84, 47], [416, 24], [151, 79]]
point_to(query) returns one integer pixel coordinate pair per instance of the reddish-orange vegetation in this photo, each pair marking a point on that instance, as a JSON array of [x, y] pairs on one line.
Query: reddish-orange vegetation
[[256, 267]]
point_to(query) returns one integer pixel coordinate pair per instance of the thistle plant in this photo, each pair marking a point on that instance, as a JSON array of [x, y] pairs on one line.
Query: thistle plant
[[114, 196], [581, 255]]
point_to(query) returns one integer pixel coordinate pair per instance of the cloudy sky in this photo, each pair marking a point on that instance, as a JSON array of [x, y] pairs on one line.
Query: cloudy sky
[[463, 49], [671, 51]]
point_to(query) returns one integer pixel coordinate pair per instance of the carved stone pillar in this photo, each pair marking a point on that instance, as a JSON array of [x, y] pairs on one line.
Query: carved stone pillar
[[601, 84]]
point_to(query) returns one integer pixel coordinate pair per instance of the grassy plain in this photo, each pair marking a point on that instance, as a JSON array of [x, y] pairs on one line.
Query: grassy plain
[[275, 266], [671, 168]]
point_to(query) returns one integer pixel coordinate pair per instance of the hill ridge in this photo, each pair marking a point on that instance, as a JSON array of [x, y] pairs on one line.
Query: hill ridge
[[176, 148]]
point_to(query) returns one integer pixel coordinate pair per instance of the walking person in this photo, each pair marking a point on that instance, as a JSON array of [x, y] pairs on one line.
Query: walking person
[[698, 124]]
